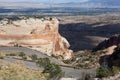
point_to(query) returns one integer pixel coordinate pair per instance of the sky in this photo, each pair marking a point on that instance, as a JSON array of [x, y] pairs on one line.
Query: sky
[[45, 1]]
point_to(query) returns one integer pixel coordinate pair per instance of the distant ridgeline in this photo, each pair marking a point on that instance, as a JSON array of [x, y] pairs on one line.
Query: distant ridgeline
[[58, 11]]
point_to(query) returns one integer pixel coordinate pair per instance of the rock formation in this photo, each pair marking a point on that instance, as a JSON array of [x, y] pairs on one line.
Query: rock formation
[[113, 41], [111, 59], [38, 34], [114, 59]]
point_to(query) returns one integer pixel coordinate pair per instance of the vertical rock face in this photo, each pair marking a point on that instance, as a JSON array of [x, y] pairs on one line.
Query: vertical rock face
[[38, 34]]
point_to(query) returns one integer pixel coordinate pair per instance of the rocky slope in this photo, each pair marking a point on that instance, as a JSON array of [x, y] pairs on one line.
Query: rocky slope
[[112, 41], [38, 34], [110, 64], [114, 58], [110, 60]]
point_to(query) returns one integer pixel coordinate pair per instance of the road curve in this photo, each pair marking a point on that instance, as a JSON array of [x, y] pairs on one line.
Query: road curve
[[69, 72]]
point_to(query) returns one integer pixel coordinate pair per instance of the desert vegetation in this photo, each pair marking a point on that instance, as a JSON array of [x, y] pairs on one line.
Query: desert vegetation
[[18, 71], [85, 59], [53, 69], [106, 72]]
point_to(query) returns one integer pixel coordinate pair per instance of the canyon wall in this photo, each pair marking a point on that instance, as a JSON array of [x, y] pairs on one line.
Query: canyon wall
[[37, 34], [112, 41]]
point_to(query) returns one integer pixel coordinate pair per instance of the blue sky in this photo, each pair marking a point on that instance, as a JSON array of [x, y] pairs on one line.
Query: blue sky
[[44, 1]]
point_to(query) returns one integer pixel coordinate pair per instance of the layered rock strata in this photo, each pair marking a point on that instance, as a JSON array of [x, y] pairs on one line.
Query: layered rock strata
[[38, 34]]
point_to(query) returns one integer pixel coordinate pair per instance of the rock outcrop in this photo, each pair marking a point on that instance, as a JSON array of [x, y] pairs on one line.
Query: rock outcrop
[[114, 58], [110, 61], [38, 34], [113, 41]]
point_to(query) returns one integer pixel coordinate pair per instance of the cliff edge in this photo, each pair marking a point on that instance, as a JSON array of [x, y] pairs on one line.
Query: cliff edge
[[37, 34]]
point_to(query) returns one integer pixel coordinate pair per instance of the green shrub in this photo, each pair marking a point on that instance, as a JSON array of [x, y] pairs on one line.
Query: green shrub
[[34, 57], [69, 61], [53, 69], [7, 54], [11, 54], [1, 57], [24, 57], [115, 69], [42, 62], [22, 54], [54, 56], [80, 65], [100, 72]]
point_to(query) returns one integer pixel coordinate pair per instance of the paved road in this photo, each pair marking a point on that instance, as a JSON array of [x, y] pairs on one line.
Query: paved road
[[69, 72], [28, 52]]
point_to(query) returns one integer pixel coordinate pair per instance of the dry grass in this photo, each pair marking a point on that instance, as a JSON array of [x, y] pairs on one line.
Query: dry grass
[[18, 71]]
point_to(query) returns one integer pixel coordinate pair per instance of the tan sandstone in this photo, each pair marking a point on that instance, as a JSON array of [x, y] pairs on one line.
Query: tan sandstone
[[38, 34]]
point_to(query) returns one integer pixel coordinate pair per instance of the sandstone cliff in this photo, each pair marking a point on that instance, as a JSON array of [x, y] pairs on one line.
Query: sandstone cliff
[[38, 34]]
